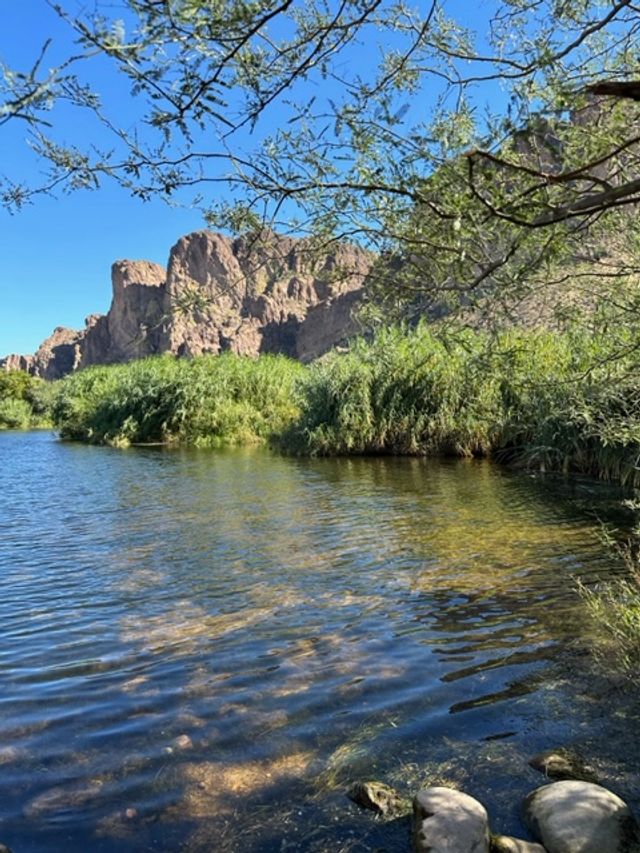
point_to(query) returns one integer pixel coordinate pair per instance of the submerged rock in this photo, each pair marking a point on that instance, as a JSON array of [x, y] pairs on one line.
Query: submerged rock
[[63, 797], [448, 821], [580, 817], [507, 844], [183, 742], [378, 797], [561, 764]]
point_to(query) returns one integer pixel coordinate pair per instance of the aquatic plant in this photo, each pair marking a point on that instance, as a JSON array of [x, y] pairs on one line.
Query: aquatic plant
[[615, 607], [545, 400]]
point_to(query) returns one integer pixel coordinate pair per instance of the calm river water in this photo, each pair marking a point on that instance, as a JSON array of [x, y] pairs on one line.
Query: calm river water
[[200, 650]]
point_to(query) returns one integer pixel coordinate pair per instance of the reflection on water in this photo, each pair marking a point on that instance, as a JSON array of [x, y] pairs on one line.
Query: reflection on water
[[200, 650]]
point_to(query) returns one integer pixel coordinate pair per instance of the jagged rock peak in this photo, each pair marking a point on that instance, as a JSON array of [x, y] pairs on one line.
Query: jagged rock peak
[[267, 293], [253, 295], [131, 327]]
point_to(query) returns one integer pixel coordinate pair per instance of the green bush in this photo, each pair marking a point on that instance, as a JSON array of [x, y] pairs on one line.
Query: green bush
[[407, 392], [545, 400], [206, 401], [25, 401], [14, 414]]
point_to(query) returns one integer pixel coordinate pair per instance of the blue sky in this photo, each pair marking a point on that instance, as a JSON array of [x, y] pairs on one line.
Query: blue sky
[[57, 253]]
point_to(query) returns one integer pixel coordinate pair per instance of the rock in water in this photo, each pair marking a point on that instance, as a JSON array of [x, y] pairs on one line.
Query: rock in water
[[448, 821], [378, 797], [563, 764], [506, 844], [580, 817]]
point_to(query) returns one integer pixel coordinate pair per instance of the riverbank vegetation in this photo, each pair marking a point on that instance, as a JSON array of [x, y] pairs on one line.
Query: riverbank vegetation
[[615, 606], [25, 401], [206, 401], [545, 400]]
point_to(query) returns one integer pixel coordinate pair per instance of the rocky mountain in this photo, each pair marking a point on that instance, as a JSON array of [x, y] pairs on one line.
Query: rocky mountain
[[249, 296], [58, 355]]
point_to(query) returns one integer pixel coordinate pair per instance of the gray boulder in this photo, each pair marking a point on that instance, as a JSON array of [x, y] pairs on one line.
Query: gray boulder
[[580, 817], [448, 821]]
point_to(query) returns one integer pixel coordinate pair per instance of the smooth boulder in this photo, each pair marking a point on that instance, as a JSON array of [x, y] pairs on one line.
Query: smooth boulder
[[448, 821], [580, 817]]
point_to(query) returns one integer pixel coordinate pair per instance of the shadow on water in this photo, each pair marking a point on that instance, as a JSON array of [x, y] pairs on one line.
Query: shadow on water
[[205, 648]]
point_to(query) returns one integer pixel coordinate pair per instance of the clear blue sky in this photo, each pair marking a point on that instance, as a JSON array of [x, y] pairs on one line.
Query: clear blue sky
[[57, 253]]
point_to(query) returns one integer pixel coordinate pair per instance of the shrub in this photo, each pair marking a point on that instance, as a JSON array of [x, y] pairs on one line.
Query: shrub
[[14, 414], [25, 401], [209, 400]]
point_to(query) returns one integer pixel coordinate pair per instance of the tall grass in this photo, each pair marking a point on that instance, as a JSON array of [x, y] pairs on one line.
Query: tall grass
[[207, 401], [545, 400], [614, 606]]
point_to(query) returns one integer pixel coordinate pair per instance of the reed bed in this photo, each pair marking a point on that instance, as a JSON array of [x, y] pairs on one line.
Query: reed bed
[[544, 400], [205, 401], [549, 401]]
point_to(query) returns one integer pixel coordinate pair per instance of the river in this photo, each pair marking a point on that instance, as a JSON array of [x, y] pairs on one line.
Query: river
[[200, 650]]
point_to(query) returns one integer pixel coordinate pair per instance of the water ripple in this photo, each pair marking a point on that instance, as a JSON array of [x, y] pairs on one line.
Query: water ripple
[[180, 631]]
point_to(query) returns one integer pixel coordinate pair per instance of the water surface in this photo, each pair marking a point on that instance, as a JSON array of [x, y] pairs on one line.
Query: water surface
[[200, 650]]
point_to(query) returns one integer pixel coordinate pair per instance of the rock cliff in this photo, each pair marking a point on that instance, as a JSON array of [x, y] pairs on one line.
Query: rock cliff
[[58, 355], [255, 296], [131, 327], [250, 296]]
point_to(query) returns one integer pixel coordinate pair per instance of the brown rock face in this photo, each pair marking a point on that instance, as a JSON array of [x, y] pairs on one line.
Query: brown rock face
[[271, 294], [131, 328], [17, 362], [58, 355], [249, 296]]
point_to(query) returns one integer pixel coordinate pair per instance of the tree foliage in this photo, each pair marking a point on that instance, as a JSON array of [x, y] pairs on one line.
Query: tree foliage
[[473, 161]]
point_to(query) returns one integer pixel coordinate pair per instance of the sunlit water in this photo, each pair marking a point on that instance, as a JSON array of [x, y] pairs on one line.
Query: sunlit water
[[200, 650]]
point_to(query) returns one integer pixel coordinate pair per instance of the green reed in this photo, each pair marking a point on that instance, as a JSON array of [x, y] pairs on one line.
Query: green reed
[[549, 401], [545, 400], [205, 401]]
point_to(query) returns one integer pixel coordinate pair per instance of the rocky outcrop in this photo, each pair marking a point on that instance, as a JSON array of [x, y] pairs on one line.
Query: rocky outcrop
[[131, 329], [266, 294], [58, 355], [269, 294], [17, 362]]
